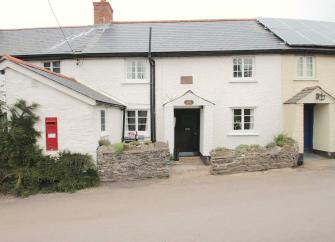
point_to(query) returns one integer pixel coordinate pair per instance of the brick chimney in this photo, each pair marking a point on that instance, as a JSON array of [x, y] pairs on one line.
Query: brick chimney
[[103, 12]]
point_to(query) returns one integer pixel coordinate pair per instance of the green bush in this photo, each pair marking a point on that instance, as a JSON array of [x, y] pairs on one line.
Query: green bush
[[282, 139], [271, 145], [119, 148], [147, 142], [24, 170], [104, 142]]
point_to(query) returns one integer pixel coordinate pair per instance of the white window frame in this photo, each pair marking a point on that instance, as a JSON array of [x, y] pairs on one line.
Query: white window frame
[[243, 132], [303, 65], [52, 68], [139, 132], [136, 79], [243, 78]]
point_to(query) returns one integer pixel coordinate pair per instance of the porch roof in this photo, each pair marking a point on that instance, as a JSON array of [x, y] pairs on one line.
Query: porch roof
[[298, 98]]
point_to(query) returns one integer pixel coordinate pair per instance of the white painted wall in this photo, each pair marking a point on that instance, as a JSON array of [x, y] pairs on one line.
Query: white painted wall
[[78, 122], [213, 78]]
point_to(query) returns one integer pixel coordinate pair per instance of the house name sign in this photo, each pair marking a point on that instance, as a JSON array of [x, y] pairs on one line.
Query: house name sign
[[320, 96]]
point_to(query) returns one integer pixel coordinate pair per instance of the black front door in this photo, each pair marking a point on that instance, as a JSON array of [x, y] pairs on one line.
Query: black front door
[[187, 131]]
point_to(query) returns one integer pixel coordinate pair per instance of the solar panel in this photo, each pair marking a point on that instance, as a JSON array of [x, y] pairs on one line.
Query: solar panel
[[302, 32]]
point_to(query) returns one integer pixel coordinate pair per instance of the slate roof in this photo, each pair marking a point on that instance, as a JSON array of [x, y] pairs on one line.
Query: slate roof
[[302, 33], [68, 82], [133, 37]]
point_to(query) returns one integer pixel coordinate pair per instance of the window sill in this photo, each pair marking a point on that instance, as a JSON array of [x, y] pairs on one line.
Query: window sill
[[132, 82], [103, 134], [306, 79], [238, 80], [243, 133]]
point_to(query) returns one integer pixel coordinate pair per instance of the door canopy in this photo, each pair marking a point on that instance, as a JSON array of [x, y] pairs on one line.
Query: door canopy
[[188, 99], [311, 95]]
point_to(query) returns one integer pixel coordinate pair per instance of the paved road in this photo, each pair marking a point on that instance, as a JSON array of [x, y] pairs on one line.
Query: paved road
[[286, 205]]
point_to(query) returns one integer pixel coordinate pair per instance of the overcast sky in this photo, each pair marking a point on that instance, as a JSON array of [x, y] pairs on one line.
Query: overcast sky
[[36, 13]]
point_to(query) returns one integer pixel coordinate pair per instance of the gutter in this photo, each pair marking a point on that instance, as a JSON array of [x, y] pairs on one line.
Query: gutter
[[152, 91]]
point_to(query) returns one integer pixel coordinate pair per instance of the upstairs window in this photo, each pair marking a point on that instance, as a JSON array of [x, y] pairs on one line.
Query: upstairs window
[[243, 119], [136, 70], [53, 66], [137, 120], [243, 67], [306, 67]]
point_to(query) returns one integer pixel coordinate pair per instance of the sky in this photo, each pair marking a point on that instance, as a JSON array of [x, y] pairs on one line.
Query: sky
[[37, 13]]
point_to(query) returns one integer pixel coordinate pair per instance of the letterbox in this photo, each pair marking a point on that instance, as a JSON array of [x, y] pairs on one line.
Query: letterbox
[[51, 134]]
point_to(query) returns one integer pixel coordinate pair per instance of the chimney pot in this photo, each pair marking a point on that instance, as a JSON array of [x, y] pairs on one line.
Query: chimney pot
[[103, 12]]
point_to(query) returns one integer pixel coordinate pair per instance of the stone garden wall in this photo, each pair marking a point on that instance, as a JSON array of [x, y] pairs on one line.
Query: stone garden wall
[[235, 161], [136, 163]]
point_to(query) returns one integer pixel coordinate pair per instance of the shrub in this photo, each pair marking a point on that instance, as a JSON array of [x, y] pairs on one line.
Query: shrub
[[271, 145], [282, 139], [119, 148], [104, 142], [24, 170], [147, 142], [134, 143]]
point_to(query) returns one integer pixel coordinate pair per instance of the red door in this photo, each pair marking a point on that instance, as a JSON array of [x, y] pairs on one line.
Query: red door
[[51, 134]]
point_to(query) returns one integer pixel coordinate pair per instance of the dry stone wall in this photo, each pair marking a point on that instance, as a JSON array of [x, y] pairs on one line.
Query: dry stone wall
[[148, 161], [235, 161]]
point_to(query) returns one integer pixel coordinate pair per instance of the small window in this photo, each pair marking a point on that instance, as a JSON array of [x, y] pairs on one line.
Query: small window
[[137, 120], [306, 67], [103, 120], [243, 119], [243, 67], [53, 66], [136, 70]]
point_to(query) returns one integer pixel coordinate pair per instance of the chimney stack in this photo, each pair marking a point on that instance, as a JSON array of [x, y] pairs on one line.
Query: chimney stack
[[103, 12]]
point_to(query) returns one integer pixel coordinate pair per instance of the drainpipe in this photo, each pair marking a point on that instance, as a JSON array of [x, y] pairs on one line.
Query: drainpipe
[[152, 91], [123, 123]]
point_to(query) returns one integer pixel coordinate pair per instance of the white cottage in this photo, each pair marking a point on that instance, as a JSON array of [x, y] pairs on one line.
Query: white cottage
[[196, 84], [72, 115]]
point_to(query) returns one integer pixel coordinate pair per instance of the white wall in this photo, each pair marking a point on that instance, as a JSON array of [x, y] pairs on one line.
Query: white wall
[[212, 80], [78, 122]]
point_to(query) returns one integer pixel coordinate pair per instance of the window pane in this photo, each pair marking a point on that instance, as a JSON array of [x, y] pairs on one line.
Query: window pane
[[237, 111], [142, 113], [131, 113], [247, 67], [142, 120], [47, 65], [248, 126], [131, 128], [237, 68], [309, 67], [237, 126], [103, 120], [131, 120], [56, 64], [56, 70], [142, 127], [300, 66]]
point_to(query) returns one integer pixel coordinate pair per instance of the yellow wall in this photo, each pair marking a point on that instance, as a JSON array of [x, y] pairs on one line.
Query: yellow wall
[[324, 123], [321, 134]]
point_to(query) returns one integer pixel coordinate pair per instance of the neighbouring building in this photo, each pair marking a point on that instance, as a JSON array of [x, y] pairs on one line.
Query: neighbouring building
[[196, 84]]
